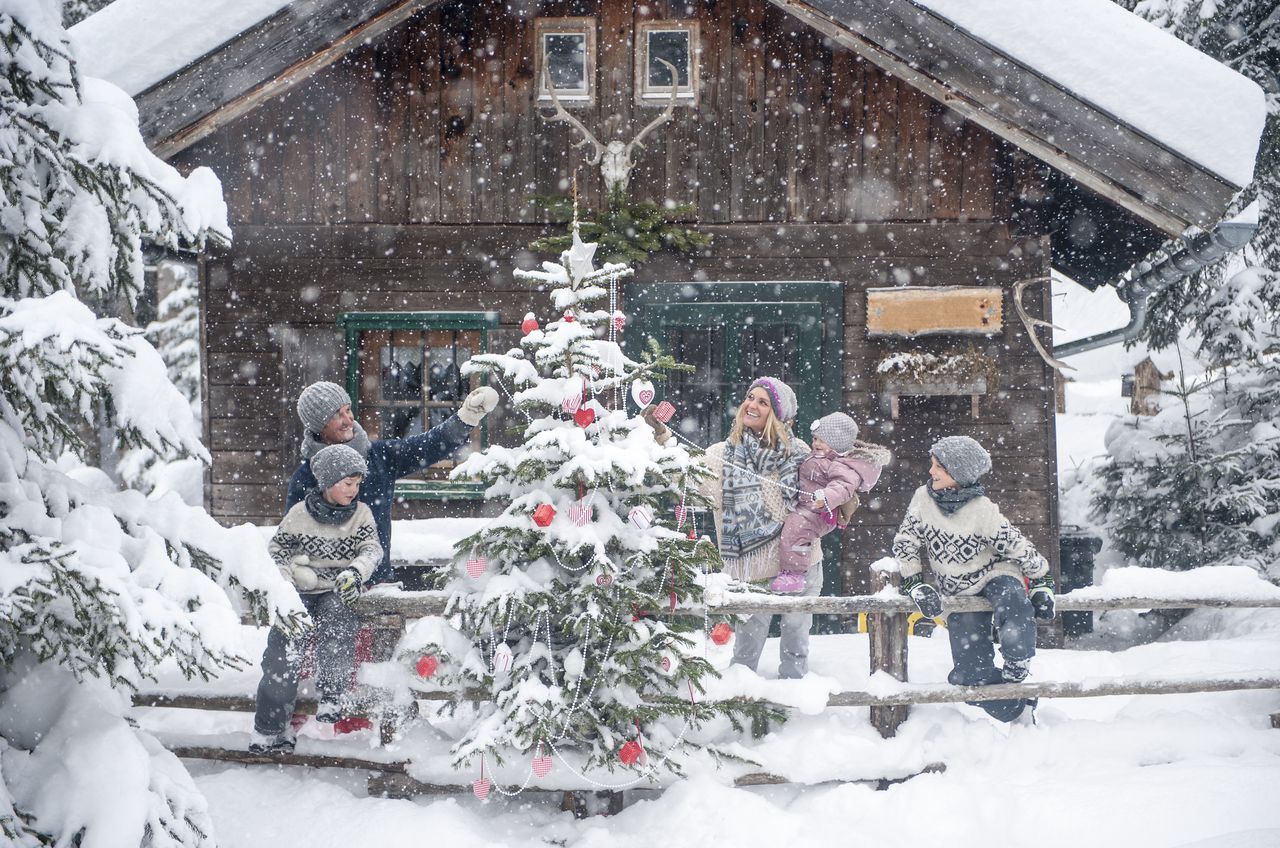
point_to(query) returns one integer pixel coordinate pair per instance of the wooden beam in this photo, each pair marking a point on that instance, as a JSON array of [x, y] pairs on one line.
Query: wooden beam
[[1016, 103], [266, 61], [247, 704], [195, 752], [420, 604], [943, 694]]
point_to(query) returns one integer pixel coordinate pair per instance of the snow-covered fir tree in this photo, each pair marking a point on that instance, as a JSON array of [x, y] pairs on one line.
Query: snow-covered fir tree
[[97, 586], [1199, 484], [564, 606]]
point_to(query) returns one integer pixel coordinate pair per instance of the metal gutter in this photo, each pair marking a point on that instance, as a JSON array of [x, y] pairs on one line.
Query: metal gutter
[[1137, 285]]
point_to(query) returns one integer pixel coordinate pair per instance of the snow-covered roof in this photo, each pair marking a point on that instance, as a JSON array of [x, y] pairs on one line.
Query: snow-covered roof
[[1129, 68], [137, 43]]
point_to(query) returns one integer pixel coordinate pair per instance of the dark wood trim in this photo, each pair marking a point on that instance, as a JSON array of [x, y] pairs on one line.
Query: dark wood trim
[[263, 62], [1128, 168]]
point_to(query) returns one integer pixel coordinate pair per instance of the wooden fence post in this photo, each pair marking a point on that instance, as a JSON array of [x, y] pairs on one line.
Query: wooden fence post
[[888, 634]]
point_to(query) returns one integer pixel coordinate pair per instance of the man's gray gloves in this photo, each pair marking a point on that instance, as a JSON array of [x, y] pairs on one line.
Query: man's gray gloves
[[477, 405]]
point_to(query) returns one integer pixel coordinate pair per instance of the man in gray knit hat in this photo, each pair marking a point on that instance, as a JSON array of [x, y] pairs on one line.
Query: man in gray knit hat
[[325, 411]]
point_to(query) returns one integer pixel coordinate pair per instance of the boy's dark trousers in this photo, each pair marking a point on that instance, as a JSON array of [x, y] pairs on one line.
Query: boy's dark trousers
[[971, 648], [336, 627]]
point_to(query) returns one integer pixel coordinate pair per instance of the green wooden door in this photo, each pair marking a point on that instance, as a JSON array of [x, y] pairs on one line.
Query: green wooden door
[[732, 333]]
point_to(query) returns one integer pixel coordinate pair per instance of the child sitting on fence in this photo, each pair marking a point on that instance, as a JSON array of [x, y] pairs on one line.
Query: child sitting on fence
[[327, 546], [830, 478], [974, 550]]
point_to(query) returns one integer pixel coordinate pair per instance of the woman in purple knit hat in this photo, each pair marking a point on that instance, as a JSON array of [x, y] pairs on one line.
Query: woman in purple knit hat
[[754, 488]]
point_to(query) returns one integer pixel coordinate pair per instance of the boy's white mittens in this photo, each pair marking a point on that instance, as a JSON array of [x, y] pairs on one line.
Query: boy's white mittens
[[477, 405], [304, 576]]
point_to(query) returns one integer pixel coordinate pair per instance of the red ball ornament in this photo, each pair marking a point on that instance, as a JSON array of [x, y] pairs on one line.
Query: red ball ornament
[[543, 514], [721, 634], [427, 665], [585, 416], [568, 318], [529, 324], [631, 752]]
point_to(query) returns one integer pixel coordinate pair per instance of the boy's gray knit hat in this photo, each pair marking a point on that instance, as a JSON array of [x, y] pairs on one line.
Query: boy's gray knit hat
[[965, 460], [336, 462], [837, 430], [781, 397], [318, 403]]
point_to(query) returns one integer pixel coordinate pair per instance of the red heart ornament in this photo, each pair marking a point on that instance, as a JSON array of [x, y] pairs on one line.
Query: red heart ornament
[[542, 765], [427, 665], [480, 787], [543, 514], [664, 411], [585, 416], [476, 566]]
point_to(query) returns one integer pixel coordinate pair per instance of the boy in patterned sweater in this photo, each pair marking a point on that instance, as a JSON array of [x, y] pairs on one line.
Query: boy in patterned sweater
[[972, 549], [327, 547]]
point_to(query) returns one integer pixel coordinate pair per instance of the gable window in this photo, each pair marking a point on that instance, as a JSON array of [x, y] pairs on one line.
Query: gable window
[[404, 375], [675, 42], [566, 56]]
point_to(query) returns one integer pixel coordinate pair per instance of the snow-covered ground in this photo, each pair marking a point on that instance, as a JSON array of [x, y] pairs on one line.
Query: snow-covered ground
[[1173, 770]]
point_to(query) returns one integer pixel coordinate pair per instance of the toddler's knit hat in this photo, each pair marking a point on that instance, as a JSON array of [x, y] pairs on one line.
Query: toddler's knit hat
[[336, 462], [838, 430], [965, 460], [318, 403], [781, 397]]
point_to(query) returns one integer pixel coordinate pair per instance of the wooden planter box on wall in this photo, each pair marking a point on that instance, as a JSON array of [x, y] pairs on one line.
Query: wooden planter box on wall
[[926, 310], [895, 387]]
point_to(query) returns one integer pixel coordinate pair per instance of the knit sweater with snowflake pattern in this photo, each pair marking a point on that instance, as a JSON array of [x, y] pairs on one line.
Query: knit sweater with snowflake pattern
[[966, 549], [310, 554]]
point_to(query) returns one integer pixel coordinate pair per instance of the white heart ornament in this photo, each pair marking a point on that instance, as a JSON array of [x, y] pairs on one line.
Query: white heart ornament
[[480, 787], [580, 514], [476, 566], [642, 392], [542, 765], [667, 663]]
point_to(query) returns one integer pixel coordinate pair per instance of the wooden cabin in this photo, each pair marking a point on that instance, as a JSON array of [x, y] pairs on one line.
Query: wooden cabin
[[854, 170]]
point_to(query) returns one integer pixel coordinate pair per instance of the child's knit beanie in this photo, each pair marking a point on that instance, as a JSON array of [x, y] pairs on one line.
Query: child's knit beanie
[[837, 430], [335, 462], [965, 460], [781, 397], [318, 403]]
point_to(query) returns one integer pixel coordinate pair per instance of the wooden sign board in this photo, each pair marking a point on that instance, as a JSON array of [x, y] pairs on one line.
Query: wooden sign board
[[925, 310]]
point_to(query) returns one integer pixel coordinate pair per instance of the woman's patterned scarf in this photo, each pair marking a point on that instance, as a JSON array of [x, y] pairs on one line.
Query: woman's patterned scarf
[[745, 519]]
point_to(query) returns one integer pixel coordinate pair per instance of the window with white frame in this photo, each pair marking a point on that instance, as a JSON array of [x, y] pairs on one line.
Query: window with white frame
[[566, 58], [675, 42]]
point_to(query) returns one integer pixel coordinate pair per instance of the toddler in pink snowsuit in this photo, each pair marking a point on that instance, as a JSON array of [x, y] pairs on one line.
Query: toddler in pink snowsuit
[[838, 467]]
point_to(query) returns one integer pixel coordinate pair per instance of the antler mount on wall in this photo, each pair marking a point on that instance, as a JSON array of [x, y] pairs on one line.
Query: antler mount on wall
[[616, 158]]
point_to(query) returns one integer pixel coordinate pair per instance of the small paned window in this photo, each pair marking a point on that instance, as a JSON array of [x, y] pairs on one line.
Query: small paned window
[[406, 372], [566, 58], [673, 42]]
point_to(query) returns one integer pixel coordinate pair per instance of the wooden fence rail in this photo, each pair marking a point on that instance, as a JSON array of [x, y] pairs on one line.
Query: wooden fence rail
[[386, 612]]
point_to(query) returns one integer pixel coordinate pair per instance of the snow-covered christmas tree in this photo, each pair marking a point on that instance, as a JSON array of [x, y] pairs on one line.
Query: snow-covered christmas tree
[[98, 587], [566, 612]]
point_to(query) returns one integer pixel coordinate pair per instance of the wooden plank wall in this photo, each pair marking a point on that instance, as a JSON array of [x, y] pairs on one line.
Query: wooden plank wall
[[286, 280], [396, 180], [434, 123]]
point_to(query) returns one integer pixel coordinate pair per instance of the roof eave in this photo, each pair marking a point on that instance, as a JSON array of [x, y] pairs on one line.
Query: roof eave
[[1158, 185]]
